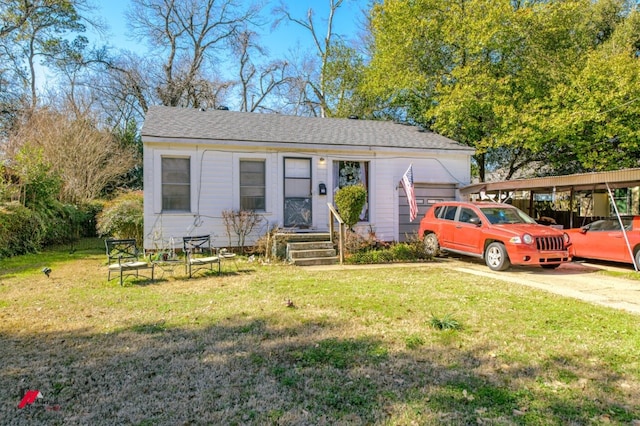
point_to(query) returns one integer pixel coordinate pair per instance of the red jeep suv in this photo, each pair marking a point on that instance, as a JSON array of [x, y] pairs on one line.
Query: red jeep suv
[[499, 233]]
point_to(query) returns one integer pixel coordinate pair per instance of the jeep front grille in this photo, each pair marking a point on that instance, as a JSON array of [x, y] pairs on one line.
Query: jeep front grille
[[549, 243]]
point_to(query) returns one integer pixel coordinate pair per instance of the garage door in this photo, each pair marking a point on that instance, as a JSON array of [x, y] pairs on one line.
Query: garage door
[[427, 194]]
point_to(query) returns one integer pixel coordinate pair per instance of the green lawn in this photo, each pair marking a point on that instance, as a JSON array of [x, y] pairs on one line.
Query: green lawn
[[276, 344]]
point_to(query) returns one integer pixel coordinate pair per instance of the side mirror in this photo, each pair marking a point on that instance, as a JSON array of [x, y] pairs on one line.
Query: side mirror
[[584, 229], [476, 221]]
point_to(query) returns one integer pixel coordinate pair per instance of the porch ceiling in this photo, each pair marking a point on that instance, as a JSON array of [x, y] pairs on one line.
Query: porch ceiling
[[625, 178]]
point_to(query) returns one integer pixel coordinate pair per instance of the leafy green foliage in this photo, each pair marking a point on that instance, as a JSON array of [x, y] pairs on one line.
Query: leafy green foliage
[[343, 73], [350, 201], [21, 230], [552, 83], [42, 29], [123, 217], [130, 139], [39, 184], [40, 218]]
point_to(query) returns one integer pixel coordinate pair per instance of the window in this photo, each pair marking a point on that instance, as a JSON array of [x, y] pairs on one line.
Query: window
[[176, 184], [450, 213], [252, 185], [466, 215]]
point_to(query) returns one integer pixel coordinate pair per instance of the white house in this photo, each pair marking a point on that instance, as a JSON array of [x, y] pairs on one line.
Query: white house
[[198, 164]]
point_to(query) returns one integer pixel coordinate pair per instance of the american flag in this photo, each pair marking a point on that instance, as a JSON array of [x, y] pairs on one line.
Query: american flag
[[407, 184]]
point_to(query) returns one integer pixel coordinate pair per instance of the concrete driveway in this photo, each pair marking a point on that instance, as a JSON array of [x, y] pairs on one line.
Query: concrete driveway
[[576, 279]]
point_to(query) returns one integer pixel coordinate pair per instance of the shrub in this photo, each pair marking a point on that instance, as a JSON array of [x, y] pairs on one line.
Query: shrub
[[21, 230], [241, 223], [361, 251], [416, 246], [402, 252], [123, 217], [350, 201], [353, 242], [90, 212], [62, 221], [265, 244], [28, 230], [39, 185]]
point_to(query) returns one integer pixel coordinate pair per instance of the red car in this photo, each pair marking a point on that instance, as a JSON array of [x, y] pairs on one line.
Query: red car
[[604, 240], [499, 233]]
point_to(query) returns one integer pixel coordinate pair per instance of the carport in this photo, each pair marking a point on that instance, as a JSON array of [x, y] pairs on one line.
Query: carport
[[597, 188]]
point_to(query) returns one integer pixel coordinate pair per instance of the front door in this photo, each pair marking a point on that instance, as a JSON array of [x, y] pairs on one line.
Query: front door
[[297, 192]]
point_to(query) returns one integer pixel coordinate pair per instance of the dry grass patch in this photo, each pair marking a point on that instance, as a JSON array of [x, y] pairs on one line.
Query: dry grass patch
[[290, 346]]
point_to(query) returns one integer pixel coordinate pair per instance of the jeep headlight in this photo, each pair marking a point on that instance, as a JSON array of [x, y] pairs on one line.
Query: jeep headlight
[[566, 238], [528, 239]]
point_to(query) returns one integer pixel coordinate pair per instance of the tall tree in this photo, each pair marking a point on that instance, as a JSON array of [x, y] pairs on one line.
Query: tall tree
[[37, 32], [324, 81], [483, 72], [593, 119], [188, 37], [85, 158], [257, 82]]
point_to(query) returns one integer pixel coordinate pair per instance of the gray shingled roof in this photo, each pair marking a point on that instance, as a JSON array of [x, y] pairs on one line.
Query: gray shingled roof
[[187, 123]]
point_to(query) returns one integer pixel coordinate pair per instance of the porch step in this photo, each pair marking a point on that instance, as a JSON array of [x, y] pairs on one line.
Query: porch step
[[312, 261], [305, 253], [294, 237], [309, 246]]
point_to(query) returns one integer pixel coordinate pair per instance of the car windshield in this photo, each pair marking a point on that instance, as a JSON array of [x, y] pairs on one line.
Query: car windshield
[[497, 215]]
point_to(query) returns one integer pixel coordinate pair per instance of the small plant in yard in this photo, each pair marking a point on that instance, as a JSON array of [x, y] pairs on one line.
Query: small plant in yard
[[447, 322]]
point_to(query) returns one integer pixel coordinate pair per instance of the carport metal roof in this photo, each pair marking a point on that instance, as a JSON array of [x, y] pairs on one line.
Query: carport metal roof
[[626, 178]]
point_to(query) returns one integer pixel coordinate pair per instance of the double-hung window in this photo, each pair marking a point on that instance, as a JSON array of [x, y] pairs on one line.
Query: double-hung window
[[176, 184], [252, 185]]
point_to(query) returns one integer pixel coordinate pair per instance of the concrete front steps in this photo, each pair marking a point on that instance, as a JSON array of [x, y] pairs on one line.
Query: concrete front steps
[[306, 249]]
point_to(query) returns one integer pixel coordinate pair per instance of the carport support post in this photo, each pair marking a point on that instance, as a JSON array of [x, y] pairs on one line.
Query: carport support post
[[624, 231], [571, 208], [531, 213]]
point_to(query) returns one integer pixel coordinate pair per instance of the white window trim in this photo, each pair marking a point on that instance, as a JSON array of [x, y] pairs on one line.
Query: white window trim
[[269, 197], [157, 184]]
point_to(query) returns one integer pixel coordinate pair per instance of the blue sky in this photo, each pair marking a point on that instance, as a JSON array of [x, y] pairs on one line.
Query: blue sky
[[287, 36]]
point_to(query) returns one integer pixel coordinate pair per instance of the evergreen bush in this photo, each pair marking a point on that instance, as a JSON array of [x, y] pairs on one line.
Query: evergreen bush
[[21, 230], [350, 201]]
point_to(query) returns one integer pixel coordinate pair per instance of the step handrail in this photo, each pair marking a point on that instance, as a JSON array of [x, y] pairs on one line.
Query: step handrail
[[334, 215]]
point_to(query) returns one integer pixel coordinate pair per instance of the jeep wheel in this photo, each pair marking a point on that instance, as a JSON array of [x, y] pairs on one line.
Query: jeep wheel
[[496, 257], [431, 245]]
